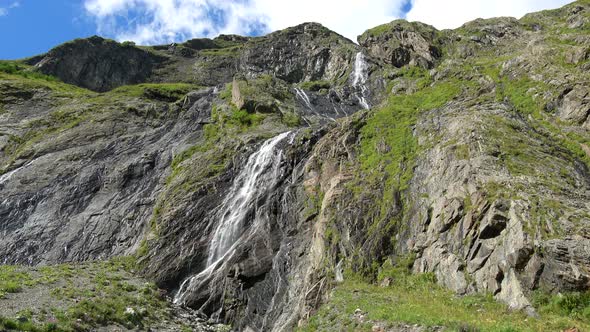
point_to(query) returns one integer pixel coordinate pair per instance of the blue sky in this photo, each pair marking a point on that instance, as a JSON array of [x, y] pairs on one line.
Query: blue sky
[[30, 27], [33, 27]]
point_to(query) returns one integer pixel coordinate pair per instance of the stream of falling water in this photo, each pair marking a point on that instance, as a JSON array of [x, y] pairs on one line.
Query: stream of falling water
[[260, 174], [360, 78]]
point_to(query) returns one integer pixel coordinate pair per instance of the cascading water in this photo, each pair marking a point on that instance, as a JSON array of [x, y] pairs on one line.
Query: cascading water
[[360, 78], [254, 181], [301, 94]]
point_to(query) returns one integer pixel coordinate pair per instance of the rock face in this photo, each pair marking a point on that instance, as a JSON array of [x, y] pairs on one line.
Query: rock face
[[307, 52], [473, 162], [473, 237], [98, 64], [78, 195], [402, 43], [575, 105]]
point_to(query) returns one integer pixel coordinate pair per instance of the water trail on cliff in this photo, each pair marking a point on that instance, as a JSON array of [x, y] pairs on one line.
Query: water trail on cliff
[[360, 76], [301, 94], [259, 175]]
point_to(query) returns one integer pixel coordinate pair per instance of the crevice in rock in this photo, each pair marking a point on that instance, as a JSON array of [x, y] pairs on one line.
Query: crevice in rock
[[494, 228]]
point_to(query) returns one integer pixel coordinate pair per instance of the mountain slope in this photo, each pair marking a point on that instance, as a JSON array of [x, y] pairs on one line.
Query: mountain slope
[[470, 168]]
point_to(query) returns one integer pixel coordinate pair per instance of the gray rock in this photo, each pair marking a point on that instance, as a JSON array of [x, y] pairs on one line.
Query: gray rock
[[575, 105], [401, 43], [98, 64]]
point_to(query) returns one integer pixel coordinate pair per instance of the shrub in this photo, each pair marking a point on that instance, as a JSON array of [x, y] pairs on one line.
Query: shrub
[[315, 85], [14, 68], [291, 119], [11, 287]]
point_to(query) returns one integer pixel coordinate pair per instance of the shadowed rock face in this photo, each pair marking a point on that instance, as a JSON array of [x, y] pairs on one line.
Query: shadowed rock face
[[474, 161], [98, 64]]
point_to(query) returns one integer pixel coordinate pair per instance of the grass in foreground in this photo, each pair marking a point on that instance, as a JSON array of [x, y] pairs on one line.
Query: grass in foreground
[[417, 299], [85, 296]]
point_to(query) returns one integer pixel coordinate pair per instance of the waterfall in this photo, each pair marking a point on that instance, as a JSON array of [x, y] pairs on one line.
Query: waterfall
[[254, 180], [259, 175], [360, 78], [7, 176], [301, 94]]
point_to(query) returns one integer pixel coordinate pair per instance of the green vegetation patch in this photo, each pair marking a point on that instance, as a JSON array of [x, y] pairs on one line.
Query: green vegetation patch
[[24, 79], [264, 94], [388, 147], [387, 138], [85, 297], [12, 280], [315, 85], [20, 69], [169, 92], [417, 299], [226, 51]]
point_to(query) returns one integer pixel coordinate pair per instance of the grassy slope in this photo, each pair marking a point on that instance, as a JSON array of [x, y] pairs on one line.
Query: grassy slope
[[388, 151], [417, 299], [78, 297]]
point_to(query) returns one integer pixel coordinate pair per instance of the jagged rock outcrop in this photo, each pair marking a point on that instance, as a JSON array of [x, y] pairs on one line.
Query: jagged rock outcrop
[[402, 43], [98, 64], [473, 236], [575, 105], [307, 52]]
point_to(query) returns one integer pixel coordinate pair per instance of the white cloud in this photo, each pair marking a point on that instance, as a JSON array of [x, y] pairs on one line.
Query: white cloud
[[159, 21], [451, 14], [163, 21], [4, 10], [182, 19], [347, 17]]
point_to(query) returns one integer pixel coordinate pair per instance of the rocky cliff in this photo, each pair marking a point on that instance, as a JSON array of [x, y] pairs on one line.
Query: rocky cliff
[[250, 176]]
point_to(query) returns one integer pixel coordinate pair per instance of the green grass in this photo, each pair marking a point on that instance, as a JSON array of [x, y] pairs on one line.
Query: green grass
[[214, 156], [385, 165], [25, 71], [388, 148], [291, 119], [520, 94], [379, 30], [264, 94], [417, 299], [315, 85], [575, 305], [101, 300], [226, 51], [168, 92], [13, 279], [30, 81], [17, 325], [526, 98], [41, 129], [387, 138]]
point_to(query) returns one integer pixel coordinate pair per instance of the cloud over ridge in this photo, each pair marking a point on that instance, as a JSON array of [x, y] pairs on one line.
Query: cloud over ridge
[[164, 21]]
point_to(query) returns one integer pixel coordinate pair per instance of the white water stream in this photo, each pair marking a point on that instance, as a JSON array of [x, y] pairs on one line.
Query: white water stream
[[360, 76], [260, 174], [301, 94]]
